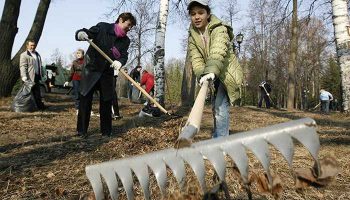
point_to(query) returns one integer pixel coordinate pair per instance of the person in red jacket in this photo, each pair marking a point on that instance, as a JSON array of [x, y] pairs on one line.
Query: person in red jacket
[[147, 79], [75, 76]]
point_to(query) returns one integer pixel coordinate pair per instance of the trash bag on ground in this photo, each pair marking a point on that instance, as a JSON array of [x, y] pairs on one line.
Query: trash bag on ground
[[135, 95], [24, 100]]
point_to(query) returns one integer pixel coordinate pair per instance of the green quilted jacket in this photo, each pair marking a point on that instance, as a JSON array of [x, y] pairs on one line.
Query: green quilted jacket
[[218, 57]]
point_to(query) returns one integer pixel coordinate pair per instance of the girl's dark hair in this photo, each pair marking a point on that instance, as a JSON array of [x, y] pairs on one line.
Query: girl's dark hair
[[125, 17], [81, 50], [193, 4]]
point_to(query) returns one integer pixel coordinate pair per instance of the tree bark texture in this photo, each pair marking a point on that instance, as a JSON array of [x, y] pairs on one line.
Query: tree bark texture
[[8, 66], [293, 57], [159, 52], [8, 31], [342, 39], [188, 85]]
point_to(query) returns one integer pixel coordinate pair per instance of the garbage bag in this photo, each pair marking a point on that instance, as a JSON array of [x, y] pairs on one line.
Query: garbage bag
[[24, 100], [135, 96]]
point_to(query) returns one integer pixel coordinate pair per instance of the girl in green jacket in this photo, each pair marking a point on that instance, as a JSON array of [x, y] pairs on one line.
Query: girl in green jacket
[[212, 57]]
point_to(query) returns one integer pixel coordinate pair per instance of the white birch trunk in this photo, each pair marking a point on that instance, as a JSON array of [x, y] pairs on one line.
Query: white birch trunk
[[159, 85], [342, 39]]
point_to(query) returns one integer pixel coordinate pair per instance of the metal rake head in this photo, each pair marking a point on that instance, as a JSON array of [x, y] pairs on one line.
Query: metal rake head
[[214, 150]]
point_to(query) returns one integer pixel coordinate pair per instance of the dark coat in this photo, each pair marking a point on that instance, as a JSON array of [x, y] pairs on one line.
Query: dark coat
[[97, 67]]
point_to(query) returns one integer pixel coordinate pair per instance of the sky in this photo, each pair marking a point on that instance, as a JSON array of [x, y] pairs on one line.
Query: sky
[[66, 16]]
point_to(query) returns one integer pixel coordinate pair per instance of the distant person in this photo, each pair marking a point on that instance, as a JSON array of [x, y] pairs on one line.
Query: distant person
[[98, 74], [135, 75], [31, 70], [213, 59], [75, 76], [147, 80], [265, 90], [325, 98]]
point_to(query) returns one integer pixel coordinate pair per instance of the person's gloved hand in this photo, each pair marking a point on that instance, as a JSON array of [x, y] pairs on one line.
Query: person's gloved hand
[[65, 84], [116, 65], [82, 36], [24, 79], [207, 77]]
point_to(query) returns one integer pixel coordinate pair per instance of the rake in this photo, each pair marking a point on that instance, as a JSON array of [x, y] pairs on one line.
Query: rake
[[214, 150]]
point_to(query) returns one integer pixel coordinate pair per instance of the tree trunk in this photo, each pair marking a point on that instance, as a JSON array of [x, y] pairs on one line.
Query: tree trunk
[[188, 83], [8, 31], [342, 39], [293, 57], [159, 52], [8, 66]]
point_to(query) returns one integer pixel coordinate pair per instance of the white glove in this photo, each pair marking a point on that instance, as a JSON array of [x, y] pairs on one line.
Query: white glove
[[65, 84], [24, 79], [207, 77], [82, 36], [116, 65]]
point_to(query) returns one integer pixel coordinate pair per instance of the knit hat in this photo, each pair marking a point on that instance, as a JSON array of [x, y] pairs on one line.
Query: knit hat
[[203, 2]]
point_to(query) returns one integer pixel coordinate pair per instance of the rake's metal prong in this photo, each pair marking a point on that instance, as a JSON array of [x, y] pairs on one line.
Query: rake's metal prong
[[284, 144], [177, 166], [216, 157], [195, 160], [124, 174], [237, 153], [260, 149], [159, 169], [110, 177], [94, 176], [310, 140], [141, 171]]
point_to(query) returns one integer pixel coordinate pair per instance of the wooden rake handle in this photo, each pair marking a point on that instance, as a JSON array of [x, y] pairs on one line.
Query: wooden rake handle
[[129, 78]]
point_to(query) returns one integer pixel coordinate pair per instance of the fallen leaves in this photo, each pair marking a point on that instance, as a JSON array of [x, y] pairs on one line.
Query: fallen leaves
[[50, 175], [319, 175], [263, 185]]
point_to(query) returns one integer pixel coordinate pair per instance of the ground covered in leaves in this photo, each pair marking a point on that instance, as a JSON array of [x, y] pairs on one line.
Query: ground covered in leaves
[[40, 157]]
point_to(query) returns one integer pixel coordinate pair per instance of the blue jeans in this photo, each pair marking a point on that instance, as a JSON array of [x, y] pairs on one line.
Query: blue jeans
[[221, 112], [76, 91], [325, 106]]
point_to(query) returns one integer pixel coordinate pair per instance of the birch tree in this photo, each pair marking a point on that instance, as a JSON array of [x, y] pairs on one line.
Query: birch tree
[[159, 52], [342, 39]]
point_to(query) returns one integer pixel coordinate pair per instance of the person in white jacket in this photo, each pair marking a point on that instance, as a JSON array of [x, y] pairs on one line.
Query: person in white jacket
[[325, 98]]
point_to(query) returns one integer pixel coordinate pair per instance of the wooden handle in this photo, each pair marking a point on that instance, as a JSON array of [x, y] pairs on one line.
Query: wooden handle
[[130, 79]]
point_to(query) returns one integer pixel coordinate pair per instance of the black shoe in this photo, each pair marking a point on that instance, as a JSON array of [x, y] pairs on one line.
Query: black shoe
[[116, 117], [43, 107], [106, 134], [81, 134]]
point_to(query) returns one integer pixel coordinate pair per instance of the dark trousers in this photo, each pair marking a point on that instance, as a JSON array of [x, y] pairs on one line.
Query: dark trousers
[[76, 93], [325, 106], [37, 94], [264, 96], [85, 106]]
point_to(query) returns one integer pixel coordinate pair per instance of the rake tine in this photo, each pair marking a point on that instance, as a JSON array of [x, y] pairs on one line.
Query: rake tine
[[216, 157], [283, 144], [159, 169], [260, 149], [195, 160], [141, 171], [177, 166]]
